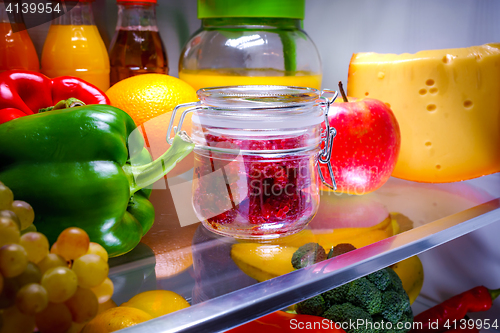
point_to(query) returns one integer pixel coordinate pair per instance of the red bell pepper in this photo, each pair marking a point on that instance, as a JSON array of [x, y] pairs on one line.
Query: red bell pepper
[[24, 92], [435, 319], [280, 321]]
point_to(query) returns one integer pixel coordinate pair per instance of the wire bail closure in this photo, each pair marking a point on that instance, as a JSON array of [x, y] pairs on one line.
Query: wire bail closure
[[193, 107], [327, 135]]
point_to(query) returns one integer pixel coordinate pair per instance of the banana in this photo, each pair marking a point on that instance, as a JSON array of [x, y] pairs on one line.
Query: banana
[[266, 261], [411, 273], [261, 261]]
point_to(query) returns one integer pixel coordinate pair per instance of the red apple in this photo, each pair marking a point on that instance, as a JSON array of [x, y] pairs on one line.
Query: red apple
[[366, 147]]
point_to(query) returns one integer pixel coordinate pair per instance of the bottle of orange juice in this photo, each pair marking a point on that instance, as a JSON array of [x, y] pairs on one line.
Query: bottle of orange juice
[[250, 42], [16, 48], [74, 47]]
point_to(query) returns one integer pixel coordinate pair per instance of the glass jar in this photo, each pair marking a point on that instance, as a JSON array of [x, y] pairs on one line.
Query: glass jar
[[250, 42], [257, 156]]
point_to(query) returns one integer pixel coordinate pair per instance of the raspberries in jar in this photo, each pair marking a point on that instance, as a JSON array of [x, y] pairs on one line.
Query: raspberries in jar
[[260, 190]]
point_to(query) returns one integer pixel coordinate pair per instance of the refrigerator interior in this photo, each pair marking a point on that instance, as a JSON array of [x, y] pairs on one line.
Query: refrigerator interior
[[341, 28]]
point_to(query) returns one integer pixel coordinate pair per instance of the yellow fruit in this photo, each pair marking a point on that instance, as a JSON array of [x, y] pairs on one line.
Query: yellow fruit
[[295, 240], [16, 322], [262, 261], [157, 302], [266, 261], [401, 222], [106, 306], [75, 327], [147, 96], [115, 319], [149, 100], [358, 237], [411, 273]]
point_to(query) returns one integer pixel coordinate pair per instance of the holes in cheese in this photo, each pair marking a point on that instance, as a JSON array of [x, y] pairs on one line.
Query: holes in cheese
[[448, 58], [449, 98]]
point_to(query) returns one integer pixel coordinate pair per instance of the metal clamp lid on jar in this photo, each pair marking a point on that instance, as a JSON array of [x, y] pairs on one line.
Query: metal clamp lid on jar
[[265, 97]]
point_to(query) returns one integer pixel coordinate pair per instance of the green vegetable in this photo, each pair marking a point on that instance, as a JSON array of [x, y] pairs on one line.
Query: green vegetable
[[376, 298], [394, 305], [85, 167], [314, 306], [307, 255], [340, 249], [383, 278], [365, 295], [346, 312], [337, 295]]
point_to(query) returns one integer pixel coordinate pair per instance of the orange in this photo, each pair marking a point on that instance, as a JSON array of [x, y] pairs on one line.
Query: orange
[[115, 319], [150, 99], [157, 302]]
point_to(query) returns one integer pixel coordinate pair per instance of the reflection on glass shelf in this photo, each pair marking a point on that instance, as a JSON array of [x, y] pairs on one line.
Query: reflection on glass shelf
[[221, 275]]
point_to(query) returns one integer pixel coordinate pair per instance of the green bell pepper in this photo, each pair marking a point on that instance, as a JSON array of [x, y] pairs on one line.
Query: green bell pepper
[[85, 167]]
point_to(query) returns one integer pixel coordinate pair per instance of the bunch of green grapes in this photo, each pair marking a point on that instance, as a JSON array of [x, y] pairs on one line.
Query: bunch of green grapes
[[55, 291]]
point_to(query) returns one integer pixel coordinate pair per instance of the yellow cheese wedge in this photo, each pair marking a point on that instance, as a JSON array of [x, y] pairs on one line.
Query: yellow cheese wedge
[[447, 103]]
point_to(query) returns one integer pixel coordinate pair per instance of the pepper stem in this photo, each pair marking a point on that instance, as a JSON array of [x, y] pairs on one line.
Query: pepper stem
[[63, 104], [494, 293], [141, 176]]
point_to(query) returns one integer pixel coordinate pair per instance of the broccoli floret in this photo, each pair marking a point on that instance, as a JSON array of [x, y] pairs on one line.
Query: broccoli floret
[[396, 284], [337, 295], [307, 255], [340, 249], [407, 317], [348, 313], [313, 306], [364, 294], [394, 305], [379, 298], [379, 324], [381, 279]]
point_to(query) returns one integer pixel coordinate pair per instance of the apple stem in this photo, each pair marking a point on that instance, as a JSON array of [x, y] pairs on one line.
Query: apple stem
[[342, 92]]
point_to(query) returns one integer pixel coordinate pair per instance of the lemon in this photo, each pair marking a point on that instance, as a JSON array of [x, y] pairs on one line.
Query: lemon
[[157, 302], [115, 319]]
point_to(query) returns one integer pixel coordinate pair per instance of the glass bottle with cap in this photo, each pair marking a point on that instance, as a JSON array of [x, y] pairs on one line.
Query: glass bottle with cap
[[136, 47], [250, 42], [16, 48], [74, 46]]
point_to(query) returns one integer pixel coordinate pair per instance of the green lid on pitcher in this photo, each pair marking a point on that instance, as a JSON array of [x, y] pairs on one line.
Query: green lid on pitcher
[[251, 8]]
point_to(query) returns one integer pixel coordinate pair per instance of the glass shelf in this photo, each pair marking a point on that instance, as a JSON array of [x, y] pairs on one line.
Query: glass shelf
[[182, 256]]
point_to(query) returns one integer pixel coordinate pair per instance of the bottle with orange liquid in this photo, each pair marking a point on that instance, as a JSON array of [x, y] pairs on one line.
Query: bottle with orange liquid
[[136, 47], [250, 42], [74, 47], [16, 48]]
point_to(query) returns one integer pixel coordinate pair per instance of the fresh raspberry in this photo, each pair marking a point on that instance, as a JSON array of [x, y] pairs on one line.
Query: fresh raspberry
[[277, 190]]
